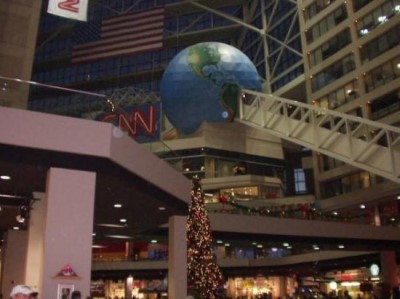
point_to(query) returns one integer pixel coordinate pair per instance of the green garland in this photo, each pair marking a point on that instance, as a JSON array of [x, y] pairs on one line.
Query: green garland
[[302, 211]]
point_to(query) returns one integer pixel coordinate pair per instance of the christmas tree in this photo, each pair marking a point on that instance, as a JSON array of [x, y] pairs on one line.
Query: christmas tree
[[205, 280]]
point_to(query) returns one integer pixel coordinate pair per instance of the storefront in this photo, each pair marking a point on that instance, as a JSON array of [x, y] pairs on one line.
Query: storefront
[[129, 288], [258, 286]]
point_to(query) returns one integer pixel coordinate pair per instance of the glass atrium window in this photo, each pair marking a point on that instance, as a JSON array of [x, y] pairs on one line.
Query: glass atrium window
[[300, 181]]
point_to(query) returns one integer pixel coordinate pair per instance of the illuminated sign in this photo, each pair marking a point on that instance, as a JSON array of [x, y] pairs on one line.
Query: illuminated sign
[[374, 270], [140, 122]]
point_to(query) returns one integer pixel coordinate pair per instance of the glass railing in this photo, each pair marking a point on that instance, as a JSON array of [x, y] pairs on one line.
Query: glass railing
[[309, 211], [135, 111]]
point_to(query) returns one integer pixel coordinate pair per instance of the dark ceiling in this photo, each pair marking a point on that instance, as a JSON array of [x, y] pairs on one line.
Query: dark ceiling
[[141, 207], [145, 206]]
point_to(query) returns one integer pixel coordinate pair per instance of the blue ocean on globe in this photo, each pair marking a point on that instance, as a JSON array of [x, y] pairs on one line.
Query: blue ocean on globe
[[203, 82]]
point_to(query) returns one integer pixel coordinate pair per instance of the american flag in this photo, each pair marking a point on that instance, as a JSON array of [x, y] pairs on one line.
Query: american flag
[[124, 35]]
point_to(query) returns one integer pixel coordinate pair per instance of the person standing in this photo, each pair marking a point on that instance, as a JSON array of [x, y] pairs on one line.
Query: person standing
[[22, 292], [346, 295], [76, 295]]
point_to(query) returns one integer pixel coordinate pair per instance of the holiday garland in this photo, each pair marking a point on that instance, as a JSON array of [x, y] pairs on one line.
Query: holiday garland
[[303, 211]]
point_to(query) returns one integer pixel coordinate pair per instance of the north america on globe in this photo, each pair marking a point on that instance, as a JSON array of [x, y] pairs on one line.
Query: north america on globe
[[202, 83]]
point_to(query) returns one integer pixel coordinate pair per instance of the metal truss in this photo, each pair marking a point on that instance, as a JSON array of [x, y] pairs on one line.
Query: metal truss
[[274, 48], [268, 35], [366, 144], [132, 96], [88, 107]]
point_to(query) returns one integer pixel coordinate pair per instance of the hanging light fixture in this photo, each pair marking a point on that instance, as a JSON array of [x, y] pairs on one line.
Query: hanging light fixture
[[24, 211]]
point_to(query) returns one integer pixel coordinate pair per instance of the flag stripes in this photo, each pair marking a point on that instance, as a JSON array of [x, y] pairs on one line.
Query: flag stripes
[[124, 35]]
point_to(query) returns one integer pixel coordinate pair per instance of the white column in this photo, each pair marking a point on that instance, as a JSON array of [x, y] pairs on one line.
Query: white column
[[68, 233], [177, 258]]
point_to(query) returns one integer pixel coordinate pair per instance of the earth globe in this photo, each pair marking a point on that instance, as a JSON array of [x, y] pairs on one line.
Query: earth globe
[[202, 83]]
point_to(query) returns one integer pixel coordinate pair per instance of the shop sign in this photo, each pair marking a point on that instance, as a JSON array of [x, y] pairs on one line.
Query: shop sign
[[374, 270]]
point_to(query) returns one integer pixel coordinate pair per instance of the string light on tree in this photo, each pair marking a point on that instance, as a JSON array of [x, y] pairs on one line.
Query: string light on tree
[[205, 280]]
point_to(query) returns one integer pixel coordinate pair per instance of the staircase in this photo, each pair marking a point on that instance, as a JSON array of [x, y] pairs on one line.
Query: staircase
[[366, 144]]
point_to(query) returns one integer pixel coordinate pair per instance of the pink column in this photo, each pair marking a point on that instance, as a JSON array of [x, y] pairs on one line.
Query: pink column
[[14, 258], [68, 232], [177, 258], [34, 256]]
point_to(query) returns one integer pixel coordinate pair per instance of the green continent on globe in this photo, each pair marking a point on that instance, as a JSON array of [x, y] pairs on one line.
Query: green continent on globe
[[201, 55], [202, 83], [229, 98]]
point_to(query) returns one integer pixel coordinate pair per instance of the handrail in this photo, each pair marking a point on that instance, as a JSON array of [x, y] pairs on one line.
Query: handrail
[[360, 142], [89, 105]]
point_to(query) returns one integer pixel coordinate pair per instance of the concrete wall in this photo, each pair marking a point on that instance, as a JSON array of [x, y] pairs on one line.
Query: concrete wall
[[19, 21]]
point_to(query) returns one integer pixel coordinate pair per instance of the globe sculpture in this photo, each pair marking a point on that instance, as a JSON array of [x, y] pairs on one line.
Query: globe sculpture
[[202, 83]]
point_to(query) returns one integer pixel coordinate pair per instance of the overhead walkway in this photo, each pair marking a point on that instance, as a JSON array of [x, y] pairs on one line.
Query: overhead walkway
[[302, 229], [357, 240], [366, 144]]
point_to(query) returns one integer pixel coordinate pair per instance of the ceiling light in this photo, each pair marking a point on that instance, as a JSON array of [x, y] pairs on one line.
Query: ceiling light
[[15, 228], [111, 225], [398, 197], [5, 177], [286, 244], [259, 246], [117, 205], [350, 283], [118, 236], [94, 234], [227, 244], [98, 246], [335, 213], [23, 214], [161, 208], [153, 241], [340, 246], [362, 206], [333, 285], [219, 242], [375, 278], [274, 249], [20, 219], [123, 220], [382, 19]]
